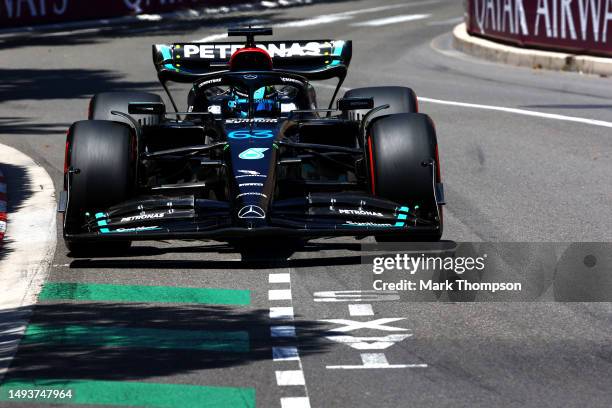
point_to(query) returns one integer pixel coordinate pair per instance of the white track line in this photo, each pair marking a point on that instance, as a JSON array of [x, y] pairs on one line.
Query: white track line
[[29, 250], [281, 313], [289, 353], [289, 377], [2, 207], [329, 18], [361, 310], [283, 356], [391, 20], [542, 115], [295, 402], [279, 278], [279, 294], [553, 116], [213, 37]]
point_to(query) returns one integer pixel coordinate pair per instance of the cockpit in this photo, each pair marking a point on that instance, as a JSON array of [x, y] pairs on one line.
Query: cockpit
[[244, 95]]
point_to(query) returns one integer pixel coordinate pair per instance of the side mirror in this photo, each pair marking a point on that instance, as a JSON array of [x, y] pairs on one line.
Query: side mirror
[[146, 108], [348, 104]]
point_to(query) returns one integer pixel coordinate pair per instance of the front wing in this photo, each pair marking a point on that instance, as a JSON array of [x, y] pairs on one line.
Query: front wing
[[320, 215]]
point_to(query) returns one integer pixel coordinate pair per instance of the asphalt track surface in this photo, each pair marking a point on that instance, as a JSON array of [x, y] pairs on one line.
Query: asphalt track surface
[[508, 177]]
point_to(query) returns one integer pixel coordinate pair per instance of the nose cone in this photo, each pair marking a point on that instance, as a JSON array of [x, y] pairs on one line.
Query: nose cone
[[253, 158]]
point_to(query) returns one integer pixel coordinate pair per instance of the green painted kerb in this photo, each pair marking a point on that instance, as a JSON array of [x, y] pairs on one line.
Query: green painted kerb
[[105, 336], [135, 394], [147, 294]]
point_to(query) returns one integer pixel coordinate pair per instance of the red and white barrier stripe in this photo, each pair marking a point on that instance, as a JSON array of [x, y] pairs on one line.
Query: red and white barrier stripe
[[2, 206]]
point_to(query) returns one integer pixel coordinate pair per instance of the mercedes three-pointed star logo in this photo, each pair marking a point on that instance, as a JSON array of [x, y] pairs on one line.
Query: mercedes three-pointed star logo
[[251, 211]]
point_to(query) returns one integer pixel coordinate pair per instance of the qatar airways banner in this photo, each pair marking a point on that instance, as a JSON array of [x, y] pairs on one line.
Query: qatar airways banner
[[577, 26], [15, 13]]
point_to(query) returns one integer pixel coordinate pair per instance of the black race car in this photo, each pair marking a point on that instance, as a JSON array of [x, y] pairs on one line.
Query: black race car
[[253, 156]]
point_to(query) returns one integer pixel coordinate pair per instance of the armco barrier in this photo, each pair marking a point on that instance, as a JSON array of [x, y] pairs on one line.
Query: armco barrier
[[17, 13], [574, 26]]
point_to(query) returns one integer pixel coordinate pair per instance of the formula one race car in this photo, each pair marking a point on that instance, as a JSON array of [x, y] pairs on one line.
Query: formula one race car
[[253, 156]]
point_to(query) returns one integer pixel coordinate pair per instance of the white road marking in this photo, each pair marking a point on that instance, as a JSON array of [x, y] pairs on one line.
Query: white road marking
[[542, 115], [290, 377], [351, 325], [374, 360], [149, 17], [285, 354], [295, 402], [281, 313], [279, 278], [282, 331], [361, 310], [356, 296], [213, 37], [524, 112], [28, 255], [450, 21], [279, 294], [391, 20], [313, 21], [370, 343]]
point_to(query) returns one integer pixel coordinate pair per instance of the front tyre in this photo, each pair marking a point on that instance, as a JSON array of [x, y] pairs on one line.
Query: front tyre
[[404, 167], [101, 161]]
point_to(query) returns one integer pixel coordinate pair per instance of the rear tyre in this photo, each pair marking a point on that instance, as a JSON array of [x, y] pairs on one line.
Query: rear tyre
[[101, 156], [403, 148], [400, 99], [102, 105]]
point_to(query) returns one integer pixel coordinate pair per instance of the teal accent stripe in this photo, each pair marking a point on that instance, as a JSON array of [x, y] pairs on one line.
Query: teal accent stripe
[[402, 216], [108, 336], [148, 294], [133, 394], [404, 209], [399, 224]]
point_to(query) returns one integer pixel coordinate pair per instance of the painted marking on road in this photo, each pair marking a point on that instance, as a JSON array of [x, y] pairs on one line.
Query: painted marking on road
[[523, 112], [391, 20], [378, 324], [281, 313], [290, 377], [542, 115], [279, 278], [130, 393], [356, 296], [295, 402], [279, 294], [313, 21], [288, 353], [282, 331], [3, 205], [149, 294], [361, 310], [109, 336], [450, 21], [373, 361], [369, 343], [213, 37]]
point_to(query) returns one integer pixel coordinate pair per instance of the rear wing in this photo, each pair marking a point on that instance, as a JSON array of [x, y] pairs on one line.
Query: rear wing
[[314, 60]]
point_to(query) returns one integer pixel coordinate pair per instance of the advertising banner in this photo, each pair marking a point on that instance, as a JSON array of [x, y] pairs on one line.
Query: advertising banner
[[16, 13], [575, 26]]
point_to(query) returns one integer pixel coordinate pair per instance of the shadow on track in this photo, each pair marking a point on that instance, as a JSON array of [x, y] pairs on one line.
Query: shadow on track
[[23, 126], [40, 84], [259, 258], [44, 359]]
